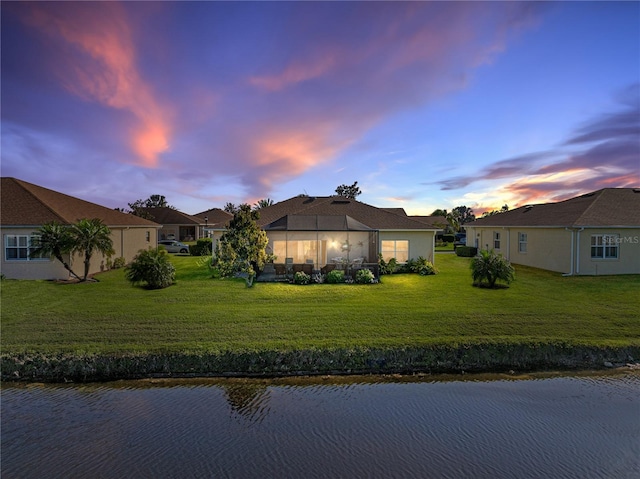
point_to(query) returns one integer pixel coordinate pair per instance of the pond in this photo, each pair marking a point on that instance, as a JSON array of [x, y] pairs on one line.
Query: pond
[[585, 426]]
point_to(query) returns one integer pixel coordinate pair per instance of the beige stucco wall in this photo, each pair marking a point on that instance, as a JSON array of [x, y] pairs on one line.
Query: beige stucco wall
[[421, 243], [551, 249], [628, 261], [126, 242]]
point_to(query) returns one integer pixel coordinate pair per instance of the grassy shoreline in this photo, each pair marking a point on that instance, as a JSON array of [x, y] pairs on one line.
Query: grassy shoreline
[[407, 324], [437, 359]]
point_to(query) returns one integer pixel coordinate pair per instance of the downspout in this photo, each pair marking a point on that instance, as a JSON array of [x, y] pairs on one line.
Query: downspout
[[571, 258], [508, 244], [578, 250]]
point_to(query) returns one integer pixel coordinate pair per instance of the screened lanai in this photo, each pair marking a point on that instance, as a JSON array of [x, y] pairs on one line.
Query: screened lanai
[[321, 239]]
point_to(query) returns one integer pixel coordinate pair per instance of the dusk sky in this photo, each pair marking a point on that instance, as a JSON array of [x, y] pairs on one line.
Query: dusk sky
[[426, 104]]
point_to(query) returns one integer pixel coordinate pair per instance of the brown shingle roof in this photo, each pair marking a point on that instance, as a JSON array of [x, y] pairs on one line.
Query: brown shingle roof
[[375, 218], [26, 204], [435, 221], [606, 207], [171, 216], [215, 217]]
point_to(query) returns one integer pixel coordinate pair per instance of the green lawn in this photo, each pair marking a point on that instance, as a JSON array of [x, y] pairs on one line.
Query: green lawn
[[199, 314]]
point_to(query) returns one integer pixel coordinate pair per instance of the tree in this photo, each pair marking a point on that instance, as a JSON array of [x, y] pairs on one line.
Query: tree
[[440, 212], [139, 207], [54, 241], [263, 203], [242, 247], [152, 267], [349, 191], [230, 208], [461, 215], [488, 267], [504, 209], [88, 237]]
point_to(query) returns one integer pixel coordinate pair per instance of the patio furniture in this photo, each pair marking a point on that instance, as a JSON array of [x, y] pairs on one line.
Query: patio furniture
[[307, 268], [328, 268], [281, 270]]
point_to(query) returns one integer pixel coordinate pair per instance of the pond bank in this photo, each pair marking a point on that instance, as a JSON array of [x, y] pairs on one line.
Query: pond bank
[[468, 358]]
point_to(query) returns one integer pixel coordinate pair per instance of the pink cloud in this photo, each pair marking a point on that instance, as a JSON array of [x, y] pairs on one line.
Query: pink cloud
[[103, 68]]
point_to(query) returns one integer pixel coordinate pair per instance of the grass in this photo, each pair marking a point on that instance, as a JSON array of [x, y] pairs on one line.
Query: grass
[[200, 315]]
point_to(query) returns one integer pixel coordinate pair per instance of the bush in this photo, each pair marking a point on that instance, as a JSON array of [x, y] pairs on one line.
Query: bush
[[119, 262], [152, 267], [365, 276], [387, 267], [489, 267], [301, 278], [203, 247], [448, 238], [335, 276], [423, 267], [467, 251]]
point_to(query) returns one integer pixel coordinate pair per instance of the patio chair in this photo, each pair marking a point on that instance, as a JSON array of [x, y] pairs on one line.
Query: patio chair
[[328, 268], [307, 268]]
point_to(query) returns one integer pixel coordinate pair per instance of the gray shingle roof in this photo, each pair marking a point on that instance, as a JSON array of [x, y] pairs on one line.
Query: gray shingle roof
[[215, 217], [606, 207], [26, 204]]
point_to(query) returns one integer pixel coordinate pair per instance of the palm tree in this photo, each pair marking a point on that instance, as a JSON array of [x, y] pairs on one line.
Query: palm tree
[[263, 203], [53, 240], [89, 236], [490, 267]]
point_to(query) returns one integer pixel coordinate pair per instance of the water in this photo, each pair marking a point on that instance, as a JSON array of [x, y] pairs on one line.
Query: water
[[554, 427]]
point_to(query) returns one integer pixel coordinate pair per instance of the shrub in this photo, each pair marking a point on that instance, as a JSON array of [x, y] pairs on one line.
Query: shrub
[[489, 267], [152, 267], [387, 267], [467, 251], [335, 276], [448, 238], [203, 247], [365, 276], [301, 278], [119, 262], [423, 267]]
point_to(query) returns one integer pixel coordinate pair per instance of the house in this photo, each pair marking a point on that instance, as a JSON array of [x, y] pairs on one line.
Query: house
[[338, 230], [593, 234], [25, 207], [176, 225], [214, 219]]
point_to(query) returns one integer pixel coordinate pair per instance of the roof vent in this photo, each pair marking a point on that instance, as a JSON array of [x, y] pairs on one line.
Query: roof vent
[[528, 208], [636, 190], [341, 202]]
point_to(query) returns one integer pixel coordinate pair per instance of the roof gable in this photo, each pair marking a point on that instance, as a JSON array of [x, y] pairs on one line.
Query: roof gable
[[170, 216], [24, 203]]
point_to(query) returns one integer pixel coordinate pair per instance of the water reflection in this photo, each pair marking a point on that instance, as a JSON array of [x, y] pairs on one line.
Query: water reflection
[[543, 426]]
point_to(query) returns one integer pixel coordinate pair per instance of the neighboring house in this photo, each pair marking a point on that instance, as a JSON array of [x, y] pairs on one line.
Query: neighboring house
[[592, 234], [214, 219], [25, 207], [176, 225], [439, 222], [333, 229]]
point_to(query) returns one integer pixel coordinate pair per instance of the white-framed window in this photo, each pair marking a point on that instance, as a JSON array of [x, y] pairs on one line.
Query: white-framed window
[[522, 242], [398, 249], [605, 246], [20, 248], [496, 240]]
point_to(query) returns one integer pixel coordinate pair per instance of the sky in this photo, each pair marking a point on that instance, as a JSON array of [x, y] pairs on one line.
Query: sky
[[425, 104]]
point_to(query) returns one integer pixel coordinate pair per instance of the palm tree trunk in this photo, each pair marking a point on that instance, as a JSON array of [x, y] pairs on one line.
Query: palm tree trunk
[[67, 267]]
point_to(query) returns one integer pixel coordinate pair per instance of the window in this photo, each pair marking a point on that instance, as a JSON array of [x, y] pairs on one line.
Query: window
[[148, 236], [20, 248], [496, 240], [398, 249], [605, 246], [522, 242]]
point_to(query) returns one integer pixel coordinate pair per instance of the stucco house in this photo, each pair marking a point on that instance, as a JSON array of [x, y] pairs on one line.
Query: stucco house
[[334, 229], [25, 207], [176, 225], [593, 234], [214, 218]]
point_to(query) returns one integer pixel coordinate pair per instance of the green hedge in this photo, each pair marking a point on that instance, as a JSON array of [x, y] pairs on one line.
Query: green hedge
[[203, 247], [467, 251]]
